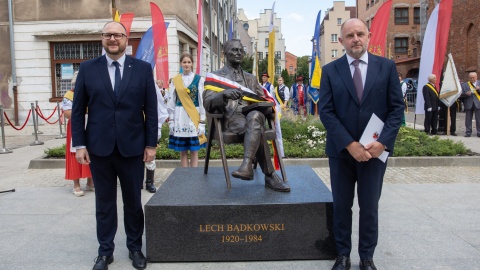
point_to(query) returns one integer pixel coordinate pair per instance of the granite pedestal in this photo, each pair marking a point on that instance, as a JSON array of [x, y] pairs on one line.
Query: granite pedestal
[[194, 217]]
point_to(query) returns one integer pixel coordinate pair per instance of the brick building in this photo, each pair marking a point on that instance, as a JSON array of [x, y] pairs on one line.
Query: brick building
[[290, 63], [403, 32], [464, 38]]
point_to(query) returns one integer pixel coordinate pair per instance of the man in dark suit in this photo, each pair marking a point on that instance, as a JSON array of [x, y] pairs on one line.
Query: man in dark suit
[[431, 106], [471, 91], [250, 126], [120, 135], [352, 89]]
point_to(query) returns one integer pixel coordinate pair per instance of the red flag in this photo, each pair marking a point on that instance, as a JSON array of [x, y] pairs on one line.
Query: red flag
[[160, 42], [379, 30], [443, 29], [434, 47], [200, 37], [126, 19]]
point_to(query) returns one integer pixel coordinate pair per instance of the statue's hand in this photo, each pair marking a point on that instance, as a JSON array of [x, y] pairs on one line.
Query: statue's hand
[[232, 94]]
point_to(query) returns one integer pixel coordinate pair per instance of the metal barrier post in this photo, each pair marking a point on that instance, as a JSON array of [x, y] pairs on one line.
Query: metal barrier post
[[36, 142], [64, 123], [35, 117], [62, 135], [3, 150]]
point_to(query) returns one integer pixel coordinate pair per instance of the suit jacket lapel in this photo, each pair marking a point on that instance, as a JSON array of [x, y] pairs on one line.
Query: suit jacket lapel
[[127, 73], [373, 70], [343, 69], [103, 68]]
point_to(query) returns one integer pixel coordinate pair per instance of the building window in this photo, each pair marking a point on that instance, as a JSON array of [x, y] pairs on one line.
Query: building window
[[260, 56], [278, 70], [368, 4], [334, 38], [416, 15], [401, 45], [245, 49], [290, 68], [339, 21], [266, 42], [401, 16], [69, 54], [278, 55], [334, 53], [372, 2]]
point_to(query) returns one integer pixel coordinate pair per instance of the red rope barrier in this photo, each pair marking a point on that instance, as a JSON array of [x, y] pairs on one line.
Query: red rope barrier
[[39, 112], [46, 119], [8, 120]]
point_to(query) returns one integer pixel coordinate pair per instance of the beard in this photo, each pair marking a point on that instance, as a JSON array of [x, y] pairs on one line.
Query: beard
[[120, 50]]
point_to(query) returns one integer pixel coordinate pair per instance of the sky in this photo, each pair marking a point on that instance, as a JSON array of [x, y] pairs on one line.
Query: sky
[[298, 19]]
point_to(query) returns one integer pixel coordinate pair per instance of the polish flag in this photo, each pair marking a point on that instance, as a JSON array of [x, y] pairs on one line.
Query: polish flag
[[434, 48]]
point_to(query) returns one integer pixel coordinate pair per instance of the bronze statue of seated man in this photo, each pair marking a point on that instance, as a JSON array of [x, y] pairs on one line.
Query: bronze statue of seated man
[[251, 125]]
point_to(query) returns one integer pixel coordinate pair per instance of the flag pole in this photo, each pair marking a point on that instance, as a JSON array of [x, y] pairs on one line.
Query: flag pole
[[114, 9]]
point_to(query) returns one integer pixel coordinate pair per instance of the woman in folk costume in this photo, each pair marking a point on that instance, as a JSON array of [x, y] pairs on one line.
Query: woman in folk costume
[[186, 113], [74, 170]]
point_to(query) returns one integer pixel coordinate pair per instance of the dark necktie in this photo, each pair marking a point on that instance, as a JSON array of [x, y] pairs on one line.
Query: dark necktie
[[357, 80], [118, 78]]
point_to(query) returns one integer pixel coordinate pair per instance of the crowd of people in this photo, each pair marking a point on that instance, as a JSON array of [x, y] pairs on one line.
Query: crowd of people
[[118, 110], [439, 118]]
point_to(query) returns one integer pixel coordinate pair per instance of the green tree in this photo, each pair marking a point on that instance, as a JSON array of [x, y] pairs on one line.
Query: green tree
[[302, 68], [247, 63], [286, 78]]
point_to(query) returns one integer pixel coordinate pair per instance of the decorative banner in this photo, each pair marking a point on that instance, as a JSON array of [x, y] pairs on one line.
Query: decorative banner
[[126, 19], [146, 48], [230, 30], [315, 70], [200, 37], [160, 42], [434, 48], [379, 30], [271, 47], [451, 87]]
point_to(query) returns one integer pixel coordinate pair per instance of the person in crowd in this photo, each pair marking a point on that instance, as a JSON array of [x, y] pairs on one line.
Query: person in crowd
[[431, 106], [120, 135], [162, 118], [266, 84], [186, 113], [471, 92], [299, 97], [74, 170], [353, 88], [250, 126], [403, 85], [282, 93]]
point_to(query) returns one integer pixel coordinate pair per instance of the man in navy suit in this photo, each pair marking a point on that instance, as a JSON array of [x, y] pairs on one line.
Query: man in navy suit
[[120, 135], [352, 89]]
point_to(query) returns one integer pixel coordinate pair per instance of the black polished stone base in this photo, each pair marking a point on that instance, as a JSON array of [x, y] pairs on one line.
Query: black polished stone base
[[193, 217]]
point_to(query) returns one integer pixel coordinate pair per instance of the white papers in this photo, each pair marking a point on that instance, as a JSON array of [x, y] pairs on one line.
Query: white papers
[[372, 133]]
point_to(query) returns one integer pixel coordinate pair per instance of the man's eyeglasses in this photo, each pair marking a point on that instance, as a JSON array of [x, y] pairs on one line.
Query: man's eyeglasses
[[116, 36]]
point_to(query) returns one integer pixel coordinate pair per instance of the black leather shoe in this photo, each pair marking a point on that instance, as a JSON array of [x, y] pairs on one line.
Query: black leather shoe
[[150, 187], [367, 265], [138, 260], [453, 134], [274, 182], [102, 262], [468, 135], [245, 171], [342, 263]]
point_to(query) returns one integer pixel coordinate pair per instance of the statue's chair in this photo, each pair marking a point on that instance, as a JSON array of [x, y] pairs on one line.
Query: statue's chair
[[216, 132]]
